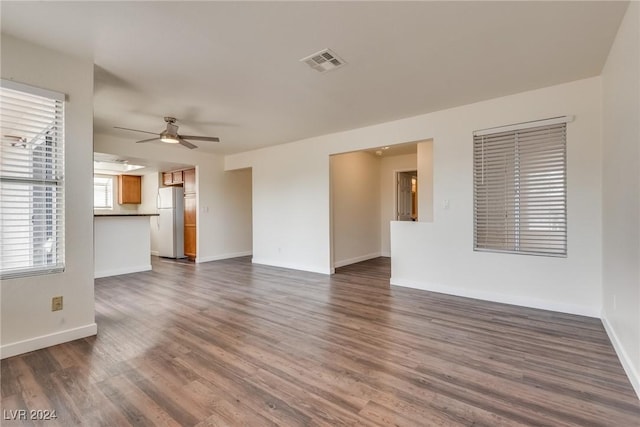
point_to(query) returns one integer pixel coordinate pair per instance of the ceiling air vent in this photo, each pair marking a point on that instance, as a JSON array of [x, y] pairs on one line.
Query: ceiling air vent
[[322, 61]]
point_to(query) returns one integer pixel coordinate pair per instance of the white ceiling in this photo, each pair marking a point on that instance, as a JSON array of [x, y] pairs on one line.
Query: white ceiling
[[231, 69]]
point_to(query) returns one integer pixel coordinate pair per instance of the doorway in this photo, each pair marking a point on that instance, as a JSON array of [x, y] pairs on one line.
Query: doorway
[[407, 196]]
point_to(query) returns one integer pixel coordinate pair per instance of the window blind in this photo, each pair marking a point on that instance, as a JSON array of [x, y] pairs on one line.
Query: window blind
[[31, 180], [102, 192], [520, 190]]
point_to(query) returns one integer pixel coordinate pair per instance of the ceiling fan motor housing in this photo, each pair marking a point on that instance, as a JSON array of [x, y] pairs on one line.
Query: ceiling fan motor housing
[[171, 130], [171, 133]]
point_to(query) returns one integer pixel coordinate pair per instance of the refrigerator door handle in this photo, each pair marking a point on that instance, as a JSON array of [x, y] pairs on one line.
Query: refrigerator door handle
[[158, 209]]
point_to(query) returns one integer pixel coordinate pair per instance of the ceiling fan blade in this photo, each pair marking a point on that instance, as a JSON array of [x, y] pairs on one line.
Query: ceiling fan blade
[[149, 140], [200, 138], [136, 130], [187, 143]]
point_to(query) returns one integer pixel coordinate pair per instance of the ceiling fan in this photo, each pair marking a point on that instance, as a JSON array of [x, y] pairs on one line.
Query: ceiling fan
[[171, 136]]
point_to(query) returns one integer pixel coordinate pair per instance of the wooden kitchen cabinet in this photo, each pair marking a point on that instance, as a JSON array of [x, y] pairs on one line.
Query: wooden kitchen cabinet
[[190, 242], [172, 178], [189, 181], [129, 189], [190, 213], [190, 231]]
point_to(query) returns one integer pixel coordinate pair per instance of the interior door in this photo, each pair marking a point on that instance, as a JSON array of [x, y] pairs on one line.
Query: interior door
[[404, 201]]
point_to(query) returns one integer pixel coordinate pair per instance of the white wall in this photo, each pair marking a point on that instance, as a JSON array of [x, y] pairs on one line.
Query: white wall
[[288, 231], [218, 236], [355, 205], [621, 194], [425, 181], [388, 168], [439, 256], [291, 202], [27, 320]]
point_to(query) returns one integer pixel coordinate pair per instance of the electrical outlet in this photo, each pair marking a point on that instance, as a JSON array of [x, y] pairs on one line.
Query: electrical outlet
[[56, 303]]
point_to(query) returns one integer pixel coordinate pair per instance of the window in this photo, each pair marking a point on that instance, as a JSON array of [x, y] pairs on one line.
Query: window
[[103, 192], [31, 180], [520, 188]]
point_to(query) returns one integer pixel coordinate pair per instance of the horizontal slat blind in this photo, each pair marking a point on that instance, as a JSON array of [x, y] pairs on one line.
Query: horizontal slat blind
[[520, 191], [102, 192], [31, 181]]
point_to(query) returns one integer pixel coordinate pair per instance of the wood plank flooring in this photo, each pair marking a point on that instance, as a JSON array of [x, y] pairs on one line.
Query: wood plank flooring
[[229, 343]]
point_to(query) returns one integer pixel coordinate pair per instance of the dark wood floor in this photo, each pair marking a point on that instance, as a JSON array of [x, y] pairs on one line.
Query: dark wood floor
[[227, 343]]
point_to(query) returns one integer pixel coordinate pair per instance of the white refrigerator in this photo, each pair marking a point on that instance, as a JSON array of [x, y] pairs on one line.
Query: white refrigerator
[[171, 222]]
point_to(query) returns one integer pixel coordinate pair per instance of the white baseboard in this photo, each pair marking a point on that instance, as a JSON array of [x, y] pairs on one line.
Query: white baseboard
[[385, 254], [223, 256], [155, 253], [342, 263], [500, 298], [37, 343], [292, 266], [625, 360], [119, 271]]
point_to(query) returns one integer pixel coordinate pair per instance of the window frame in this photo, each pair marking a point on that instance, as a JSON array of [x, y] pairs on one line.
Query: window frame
[[108, 192], [42, 182], [542, 224]]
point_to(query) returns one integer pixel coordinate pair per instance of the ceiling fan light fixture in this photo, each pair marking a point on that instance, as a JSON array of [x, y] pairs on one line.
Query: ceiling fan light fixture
[[169, 139]]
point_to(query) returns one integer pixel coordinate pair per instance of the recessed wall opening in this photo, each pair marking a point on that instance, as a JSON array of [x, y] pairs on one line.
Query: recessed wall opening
[[239, 183], [365, 198]]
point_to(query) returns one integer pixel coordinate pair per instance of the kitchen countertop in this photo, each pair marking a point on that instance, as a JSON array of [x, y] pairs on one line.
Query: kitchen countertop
[[127, 214]]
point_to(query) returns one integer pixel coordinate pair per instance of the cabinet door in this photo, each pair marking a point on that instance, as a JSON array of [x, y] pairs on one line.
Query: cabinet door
[[167, 178], [189, 181], [190, 242], [190, 231], [129, 189], [177, 177]]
